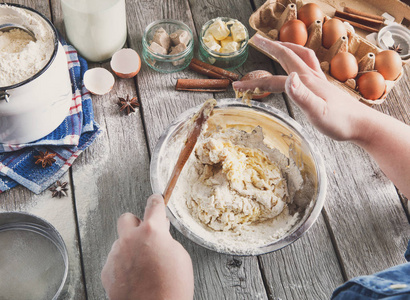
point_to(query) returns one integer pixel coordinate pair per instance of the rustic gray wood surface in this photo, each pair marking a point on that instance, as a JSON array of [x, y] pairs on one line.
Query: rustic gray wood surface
[[363, 227]]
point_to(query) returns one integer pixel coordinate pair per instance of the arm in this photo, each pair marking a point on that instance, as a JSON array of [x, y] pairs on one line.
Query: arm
[[146, 262], [334, 112]]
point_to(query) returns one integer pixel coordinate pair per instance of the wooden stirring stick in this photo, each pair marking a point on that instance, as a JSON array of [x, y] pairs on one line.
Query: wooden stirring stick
[[199, 119]]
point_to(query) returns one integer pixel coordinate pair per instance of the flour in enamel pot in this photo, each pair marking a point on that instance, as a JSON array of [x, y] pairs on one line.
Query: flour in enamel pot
[[20, 56]]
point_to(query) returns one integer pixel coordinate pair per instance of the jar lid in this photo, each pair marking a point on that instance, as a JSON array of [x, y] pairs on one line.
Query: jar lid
[[34, 258], [395, 35]]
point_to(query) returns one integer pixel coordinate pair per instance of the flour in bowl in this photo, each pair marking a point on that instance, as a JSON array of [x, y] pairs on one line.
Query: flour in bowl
[[20, 56], [234, 191]]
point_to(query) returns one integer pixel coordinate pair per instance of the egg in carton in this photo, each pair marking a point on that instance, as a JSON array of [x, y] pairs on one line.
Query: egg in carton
[[271, 16]]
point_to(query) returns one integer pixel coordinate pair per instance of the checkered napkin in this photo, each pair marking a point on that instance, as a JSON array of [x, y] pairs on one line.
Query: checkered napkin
[[73, 136]]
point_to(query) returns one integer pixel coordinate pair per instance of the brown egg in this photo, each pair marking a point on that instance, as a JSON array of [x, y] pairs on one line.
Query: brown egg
[[332, 30], [343, 66], [388, 63], [309, 13], [256, 75], [371, 85], [294, 31]]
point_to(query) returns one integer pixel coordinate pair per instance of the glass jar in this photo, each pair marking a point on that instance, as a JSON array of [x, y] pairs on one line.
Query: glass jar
[[96, 28], [228, 61], [167, 63]]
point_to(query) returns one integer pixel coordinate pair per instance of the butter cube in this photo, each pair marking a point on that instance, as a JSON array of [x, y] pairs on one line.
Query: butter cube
[[225, 41], [230, 47], [218, 29], [238, 31], [210, 42]]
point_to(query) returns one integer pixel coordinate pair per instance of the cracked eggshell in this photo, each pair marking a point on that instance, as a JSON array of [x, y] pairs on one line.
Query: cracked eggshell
[[126, 63], [98, 81]]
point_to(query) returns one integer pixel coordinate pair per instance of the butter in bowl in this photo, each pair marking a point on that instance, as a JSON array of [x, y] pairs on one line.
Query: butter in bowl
[[224, 43]]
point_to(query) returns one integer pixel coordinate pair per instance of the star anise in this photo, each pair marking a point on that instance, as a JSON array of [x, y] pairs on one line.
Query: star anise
[[45, 158], [59, 189], [396, 48], [128, 104]]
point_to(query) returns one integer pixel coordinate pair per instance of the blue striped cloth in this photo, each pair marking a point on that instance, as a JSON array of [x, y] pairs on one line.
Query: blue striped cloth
[[73, 136]]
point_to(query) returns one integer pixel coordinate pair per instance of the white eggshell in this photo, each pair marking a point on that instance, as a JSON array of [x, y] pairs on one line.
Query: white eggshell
[[98, 81], [126, 63]]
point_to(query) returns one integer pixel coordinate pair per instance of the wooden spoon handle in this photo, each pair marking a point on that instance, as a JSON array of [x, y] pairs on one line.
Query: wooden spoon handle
[[199, 119]]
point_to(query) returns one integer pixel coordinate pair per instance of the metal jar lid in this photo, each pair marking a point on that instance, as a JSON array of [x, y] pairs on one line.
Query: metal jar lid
[[399, 34], [33, 258]]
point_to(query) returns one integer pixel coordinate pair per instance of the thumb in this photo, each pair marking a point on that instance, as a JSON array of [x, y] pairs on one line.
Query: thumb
[[312, 105], [155, 211]]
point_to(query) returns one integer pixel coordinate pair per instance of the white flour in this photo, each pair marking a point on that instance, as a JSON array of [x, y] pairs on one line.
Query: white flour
[[20, 56], [31, 266], [197, 203]]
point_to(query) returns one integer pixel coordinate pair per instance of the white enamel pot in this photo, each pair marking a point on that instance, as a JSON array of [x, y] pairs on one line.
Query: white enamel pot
[[33, 108]]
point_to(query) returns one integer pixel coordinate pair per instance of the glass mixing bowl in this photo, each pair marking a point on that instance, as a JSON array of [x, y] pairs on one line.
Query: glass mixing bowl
[[280, 131]]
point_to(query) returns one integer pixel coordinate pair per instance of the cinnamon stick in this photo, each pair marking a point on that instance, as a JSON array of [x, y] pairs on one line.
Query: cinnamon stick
[[202, 85], [206, 72], [226, 74], [359, 19], [363, 14], [360, 26]]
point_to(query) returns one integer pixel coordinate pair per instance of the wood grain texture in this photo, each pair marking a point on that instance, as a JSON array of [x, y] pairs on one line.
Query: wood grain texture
[[111, 177], [363, 223], [161, 104], [365, 214], [307, 269]]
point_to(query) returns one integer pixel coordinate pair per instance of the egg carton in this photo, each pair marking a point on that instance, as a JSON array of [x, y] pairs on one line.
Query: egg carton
[[270, 17]]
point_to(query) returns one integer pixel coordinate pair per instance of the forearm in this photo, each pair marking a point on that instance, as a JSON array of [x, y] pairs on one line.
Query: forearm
[[387, 140]]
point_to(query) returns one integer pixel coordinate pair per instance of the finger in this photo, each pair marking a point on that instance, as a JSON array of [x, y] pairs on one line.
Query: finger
[[312, 105], [168, 224], [307, 55], [274, 84], [126, 222], [288, 59], [155, 211]]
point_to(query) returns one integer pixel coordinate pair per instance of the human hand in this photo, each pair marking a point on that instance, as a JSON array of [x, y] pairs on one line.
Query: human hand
[[146, 262], [331, 110]]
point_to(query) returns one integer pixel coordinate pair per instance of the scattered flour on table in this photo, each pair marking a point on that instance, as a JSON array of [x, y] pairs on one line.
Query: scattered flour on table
[[59, 212], [86, 178], [234, 190], [20, 56]]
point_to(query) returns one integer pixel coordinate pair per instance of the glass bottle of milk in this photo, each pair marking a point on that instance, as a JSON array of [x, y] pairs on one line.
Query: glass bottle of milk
[[96, 28]]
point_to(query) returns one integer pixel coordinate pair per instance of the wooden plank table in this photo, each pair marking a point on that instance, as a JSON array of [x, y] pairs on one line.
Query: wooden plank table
[[363, 227]]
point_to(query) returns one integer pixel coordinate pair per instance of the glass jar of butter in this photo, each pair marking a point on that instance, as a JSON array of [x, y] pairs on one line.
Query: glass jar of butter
[[224, 43]]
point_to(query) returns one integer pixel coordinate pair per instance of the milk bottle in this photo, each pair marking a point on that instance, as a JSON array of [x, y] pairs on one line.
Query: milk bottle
[[96, 28]]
